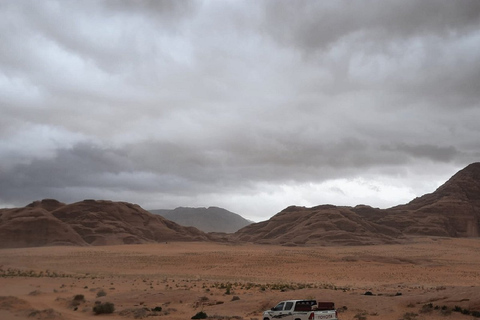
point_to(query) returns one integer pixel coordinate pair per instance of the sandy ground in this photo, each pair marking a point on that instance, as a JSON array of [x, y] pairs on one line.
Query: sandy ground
[[409, 281]]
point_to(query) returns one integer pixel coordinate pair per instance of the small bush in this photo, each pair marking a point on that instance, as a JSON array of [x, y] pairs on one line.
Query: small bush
[[427, 308], [235, 298], [77, 300], [410, 316], [361, 316], [106, 307], [342, 309], [200, 315], [101, 293], [79, 297], [157, 309]]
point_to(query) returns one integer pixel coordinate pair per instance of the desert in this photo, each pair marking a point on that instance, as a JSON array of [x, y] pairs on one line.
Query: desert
[[423, 278]]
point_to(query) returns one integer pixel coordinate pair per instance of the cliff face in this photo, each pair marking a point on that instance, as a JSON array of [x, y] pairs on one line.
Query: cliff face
[[89, 222]]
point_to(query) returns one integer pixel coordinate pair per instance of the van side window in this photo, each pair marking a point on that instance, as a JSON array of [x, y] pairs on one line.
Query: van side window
[[279, 307], [288, 305]]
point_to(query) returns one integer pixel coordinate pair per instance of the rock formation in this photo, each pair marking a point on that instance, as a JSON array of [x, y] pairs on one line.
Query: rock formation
[[453, 210], [89, 222]]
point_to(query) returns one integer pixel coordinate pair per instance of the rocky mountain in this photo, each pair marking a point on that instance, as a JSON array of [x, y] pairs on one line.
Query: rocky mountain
[[320, 225], [211, 219], [89, 222], [453, 210]]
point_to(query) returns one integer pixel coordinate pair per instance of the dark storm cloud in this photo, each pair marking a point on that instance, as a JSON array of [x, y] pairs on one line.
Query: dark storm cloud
[[313, 25], [249, 105], [93, 169], [422, 49]]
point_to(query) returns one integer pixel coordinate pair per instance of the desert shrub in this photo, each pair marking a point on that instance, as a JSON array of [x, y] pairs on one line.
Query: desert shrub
[[79, 297], [342, 309], [476, 314], [445, 312], [462, 311], [235, 298], [106, 307], [427, 308], [77, 300], [361, 316], [101, 293], [157, 309], [200, 315], [410, 316], [465, 311]]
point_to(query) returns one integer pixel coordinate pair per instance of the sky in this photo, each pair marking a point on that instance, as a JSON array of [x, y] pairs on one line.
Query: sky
[[251, 106]]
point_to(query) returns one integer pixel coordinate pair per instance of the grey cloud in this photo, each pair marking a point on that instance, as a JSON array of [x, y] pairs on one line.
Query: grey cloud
[[202, 100], [318, 25], [410, 48], [431, 152]]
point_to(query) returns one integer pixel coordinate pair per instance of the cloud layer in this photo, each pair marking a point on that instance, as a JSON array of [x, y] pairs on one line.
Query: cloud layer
[[250, 105]]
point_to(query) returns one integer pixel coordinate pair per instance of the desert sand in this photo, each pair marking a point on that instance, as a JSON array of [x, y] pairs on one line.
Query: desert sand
[[406, 281]]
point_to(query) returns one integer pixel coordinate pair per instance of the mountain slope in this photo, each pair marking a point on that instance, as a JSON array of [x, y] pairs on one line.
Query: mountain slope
[[211, 219], [89, 222], [453, 210], [33, 227], [321, 225]]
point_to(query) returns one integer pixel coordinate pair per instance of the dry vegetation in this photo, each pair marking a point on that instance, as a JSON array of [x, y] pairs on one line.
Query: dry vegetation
[[426, 279]]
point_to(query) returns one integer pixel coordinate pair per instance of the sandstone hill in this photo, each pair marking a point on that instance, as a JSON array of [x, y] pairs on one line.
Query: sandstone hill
[[89, 222], [453, 210], [320, 225], [211, 219]]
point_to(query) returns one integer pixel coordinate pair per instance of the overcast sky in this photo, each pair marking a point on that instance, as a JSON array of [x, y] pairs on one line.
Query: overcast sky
[[248, 105]]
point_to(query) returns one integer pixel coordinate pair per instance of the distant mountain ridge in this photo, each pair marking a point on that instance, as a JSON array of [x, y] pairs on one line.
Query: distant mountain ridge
[[453, 210], [211, 219]]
